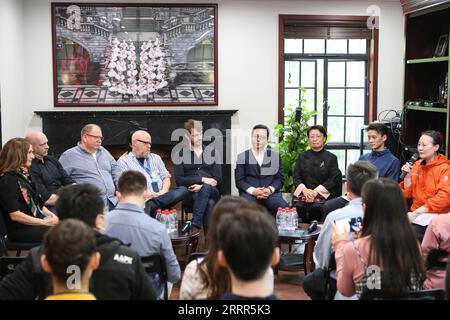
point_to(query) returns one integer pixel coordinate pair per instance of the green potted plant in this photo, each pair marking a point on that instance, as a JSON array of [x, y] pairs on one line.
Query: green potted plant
[[293, 140]]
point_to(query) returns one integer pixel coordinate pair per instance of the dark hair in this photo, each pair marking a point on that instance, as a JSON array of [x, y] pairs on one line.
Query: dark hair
[[437, 138], [69, 243], [14, 155], [132, 182], [393, 241], [261, 126], [447, 279], [248, 239], [378, 127], [80, 201], [317, 127], [216, 278], [359, 173], [193, 124]]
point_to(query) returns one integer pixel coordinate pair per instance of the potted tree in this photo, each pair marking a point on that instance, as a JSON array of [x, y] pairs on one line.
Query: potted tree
[[293, 140]]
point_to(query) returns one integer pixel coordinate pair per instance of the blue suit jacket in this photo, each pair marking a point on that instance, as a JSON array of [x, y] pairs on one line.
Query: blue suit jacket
[[248, 173]]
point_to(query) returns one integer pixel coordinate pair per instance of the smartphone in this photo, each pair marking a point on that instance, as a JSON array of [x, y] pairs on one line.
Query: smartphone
[[353, 225]]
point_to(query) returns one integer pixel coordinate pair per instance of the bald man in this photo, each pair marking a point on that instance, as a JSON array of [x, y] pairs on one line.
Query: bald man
[[47, 171], [141, 159]]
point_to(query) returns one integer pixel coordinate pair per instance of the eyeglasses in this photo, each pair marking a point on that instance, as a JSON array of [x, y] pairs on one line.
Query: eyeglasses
[[95, 137], [145, 142]]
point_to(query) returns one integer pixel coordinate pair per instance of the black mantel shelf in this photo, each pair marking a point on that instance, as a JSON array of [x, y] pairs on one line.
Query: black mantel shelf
[[63, 128], [137, 112]]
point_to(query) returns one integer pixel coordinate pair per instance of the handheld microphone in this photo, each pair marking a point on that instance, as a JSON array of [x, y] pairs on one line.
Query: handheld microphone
[[411, 161], [313, 226], [186, 227]]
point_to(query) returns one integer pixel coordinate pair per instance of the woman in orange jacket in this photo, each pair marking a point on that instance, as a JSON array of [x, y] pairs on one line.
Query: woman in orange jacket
[[427, 182]]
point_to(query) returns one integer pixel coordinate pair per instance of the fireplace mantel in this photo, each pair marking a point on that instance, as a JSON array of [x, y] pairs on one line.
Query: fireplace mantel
[[63, 128]]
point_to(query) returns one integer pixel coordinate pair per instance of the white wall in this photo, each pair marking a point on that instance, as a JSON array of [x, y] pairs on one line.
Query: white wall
[[247, 54], [11, 68]]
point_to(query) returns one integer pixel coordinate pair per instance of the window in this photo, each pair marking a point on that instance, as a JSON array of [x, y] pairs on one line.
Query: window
[[335, 66]]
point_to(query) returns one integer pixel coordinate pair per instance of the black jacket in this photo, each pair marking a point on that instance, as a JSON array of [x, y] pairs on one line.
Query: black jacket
[[318, 168], [117, 278]]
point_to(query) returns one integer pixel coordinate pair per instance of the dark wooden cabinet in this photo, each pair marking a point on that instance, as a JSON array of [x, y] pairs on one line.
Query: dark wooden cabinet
[[426, 102]]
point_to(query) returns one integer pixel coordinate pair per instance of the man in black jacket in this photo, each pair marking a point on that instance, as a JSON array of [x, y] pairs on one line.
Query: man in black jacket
[[120, 275]]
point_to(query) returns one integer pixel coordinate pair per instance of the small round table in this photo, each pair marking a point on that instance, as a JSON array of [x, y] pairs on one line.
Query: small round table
[[188, 241], [300, 235]]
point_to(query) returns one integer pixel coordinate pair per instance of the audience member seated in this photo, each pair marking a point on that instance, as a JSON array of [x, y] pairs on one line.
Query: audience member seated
[[152, 167], [47, 171], [248, 246], [259, 172], [129, 223], [120, 275], [357, 174], [204, 278], [437, 236], [386, 256], [89, 162], [70, 257], [317, 177], [26, 217], [388, 165], [200, 172], [427, 181]]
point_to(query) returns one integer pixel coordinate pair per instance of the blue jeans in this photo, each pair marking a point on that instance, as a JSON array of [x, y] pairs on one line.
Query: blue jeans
[[167, 200], [202, 204], [272, 203]]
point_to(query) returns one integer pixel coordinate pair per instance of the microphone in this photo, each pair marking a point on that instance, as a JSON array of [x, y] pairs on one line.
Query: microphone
[[411, 161], [313, 226]]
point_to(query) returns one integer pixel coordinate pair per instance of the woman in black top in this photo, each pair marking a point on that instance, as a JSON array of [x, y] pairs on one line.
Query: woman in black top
[[317, 176], [26, 217]]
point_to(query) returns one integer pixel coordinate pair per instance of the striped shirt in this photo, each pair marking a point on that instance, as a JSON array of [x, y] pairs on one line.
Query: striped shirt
[[153, 168]]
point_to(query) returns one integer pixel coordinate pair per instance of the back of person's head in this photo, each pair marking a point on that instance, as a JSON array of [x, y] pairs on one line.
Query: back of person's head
[[132, 183], [378, 127], [69, 244], [216, 278], [393, 244], [248, 239], [80, 201], [14, 155], [359, 173]]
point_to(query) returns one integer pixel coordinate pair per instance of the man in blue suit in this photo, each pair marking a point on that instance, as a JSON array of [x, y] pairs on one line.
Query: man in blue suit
[[259, 172]]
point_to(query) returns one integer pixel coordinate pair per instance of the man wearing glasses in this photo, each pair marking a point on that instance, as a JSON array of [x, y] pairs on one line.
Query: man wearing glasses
[[89, 162], [151, 165], [259, 173]]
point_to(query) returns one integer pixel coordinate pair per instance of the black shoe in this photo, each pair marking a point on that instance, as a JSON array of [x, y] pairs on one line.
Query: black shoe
[[194, 230]]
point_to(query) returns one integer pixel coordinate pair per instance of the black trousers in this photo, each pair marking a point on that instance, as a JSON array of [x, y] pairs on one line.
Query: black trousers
[[309, 212]]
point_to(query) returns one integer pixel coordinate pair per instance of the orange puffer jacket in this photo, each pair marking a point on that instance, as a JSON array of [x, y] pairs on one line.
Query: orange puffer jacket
[[430, 185]]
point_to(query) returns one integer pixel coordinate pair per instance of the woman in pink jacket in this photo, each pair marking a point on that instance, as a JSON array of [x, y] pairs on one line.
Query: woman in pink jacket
[[386, 256]]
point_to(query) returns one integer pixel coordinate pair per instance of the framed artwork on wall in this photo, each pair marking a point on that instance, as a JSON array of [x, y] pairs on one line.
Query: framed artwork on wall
[[110, 54]]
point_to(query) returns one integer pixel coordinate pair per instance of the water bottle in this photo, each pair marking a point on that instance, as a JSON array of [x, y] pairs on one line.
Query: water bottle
[[294, 218], [284, 219], [158, 214], [278, 218], [289, 222], [165, 213], [175, 220]]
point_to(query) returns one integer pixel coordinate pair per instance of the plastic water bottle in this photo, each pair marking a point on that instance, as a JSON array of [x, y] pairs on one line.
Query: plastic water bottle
[[165, 214], [174, 220], [278, 218], [158, 214], [289, 220], [294, 218]]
